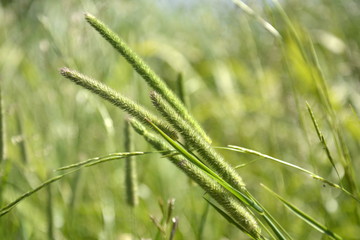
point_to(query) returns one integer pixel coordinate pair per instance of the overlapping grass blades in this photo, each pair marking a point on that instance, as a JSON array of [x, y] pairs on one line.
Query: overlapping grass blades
[[308, 219], [308, 54], [243, 195], [73, 167], [311, 174], [197, 171]]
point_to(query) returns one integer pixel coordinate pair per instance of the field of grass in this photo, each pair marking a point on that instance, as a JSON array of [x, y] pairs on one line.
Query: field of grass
[[279, 79]]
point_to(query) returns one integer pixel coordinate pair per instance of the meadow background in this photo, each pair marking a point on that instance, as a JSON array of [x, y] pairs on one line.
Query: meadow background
[[246, 85]]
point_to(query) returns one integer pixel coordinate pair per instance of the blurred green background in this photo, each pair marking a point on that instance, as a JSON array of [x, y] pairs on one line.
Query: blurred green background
[[246, 87]]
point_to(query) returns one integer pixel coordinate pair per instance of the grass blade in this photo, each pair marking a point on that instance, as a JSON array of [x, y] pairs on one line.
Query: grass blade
[[245, 198], [97, 160], [309, 220], [227, 200], [10, 206], [313, 175], [270, 28]]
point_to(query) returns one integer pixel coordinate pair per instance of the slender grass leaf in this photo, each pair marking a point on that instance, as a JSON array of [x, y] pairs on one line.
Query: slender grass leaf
[[97, 160], [10, 206], [313, 175], [305, 217]]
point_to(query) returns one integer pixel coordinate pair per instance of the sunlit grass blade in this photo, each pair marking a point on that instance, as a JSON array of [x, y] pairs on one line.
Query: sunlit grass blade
[[270, 28], [311, 174], [97, 160], [305, 217]]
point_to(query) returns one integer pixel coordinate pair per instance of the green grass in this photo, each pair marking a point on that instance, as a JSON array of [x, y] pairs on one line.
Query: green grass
[[293, 97]]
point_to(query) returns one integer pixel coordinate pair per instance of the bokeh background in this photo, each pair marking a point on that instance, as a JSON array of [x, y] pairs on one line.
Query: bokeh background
[[246, 87]]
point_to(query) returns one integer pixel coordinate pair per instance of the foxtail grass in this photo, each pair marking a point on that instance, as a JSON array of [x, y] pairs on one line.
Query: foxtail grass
[[227, 200], [208, 154], [145, 71], [116, 99], [209, 170]]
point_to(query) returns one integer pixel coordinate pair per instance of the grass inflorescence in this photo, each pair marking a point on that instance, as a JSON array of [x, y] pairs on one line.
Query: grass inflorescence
[[274, 83]]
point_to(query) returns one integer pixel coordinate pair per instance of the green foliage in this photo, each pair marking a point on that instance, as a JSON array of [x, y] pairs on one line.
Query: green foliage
[[249, 72]]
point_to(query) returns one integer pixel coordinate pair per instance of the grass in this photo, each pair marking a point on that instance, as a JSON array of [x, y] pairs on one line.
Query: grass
[[292, 97]]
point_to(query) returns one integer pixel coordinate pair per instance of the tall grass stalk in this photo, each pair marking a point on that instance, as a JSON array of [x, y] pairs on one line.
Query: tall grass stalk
[[227, 200], [235, 196], [145, 71]]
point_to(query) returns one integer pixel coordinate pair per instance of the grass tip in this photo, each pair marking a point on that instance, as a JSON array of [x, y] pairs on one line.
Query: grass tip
[[64, 71]]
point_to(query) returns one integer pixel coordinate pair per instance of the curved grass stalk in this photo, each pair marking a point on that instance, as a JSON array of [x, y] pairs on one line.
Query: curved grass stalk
[[97, 160], [10, 206], [152, 79], [311, 174]]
